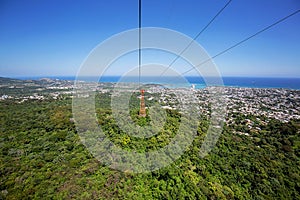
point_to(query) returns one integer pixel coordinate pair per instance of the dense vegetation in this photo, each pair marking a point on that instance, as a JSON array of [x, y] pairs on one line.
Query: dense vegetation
[[42, 158]]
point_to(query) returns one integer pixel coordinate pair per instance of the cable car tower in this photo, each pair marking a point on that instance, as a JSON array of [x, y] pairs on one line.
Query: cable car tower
[[142, 112]]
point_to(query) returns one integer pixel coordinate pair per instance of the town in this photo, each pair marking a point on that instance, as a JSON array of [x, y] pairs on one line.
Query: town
[[278, 103]]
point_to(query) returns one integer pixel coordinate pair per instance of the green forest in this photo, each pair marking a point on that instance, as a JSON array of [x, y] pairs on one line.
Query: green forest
[[42, 157]]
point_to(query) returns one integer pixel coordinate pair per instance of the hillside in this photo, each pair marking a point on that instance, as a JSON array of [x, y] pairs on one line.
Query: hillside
[[42, 157]]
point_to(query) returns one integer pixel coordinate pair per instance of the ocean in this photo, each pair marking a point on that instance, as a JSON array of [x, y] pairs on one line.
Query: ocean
[[248, 82]]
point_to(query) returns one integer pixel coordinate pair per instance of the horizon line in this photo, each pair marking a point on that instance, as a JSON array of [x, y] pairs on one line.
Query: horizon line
[[224, 76]]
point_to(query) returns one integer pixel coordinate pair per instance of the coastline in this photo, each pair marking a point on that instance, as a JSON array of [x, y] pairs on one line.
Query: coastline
[[236, 82]]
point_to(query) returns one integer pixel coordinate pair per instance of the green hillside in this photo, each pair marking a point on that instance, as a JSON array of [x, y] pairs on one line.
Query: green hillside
[[42, 158]]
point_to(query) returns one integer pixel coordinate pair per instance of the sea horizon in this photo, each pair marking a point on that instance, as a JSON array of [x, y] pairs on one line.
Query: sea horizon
[[230, 81]]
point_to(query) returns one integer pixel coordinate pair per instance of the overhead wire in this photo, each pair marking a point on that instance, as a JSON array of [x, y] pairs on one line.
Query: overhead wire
[[140, 40], [244, 40], [196, 37]]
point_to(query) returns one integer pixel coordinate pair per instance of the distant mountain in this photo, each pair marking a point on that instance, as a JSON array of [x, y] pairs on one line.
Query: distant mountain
[[42, 81], [4, 80]]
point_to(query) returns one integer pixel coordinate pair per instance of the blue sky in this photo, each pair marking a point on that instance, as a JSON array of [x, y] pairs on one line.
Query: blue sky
[[53, 37]]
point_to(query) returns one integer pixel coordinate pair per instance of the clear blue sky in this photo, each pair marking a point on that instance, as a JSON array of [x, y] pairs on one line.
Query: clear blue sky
[[53, 37]]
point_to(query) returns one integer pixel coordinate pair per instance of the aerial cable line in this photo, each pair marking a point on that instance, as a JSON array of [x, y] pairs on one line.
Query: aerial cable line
[[140, 39], [244, 40], [142, 112], [196, 37]]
